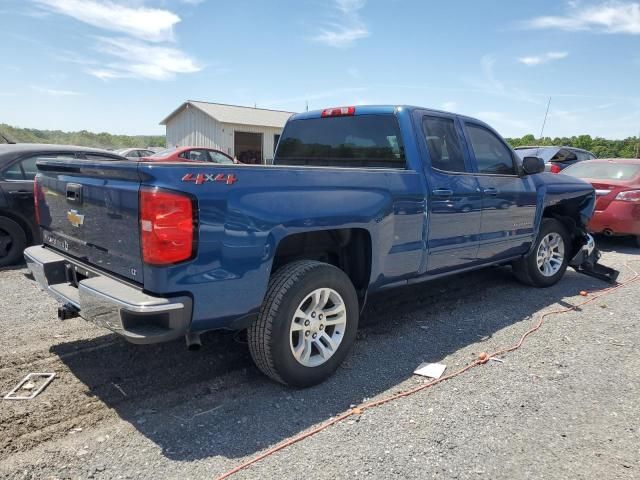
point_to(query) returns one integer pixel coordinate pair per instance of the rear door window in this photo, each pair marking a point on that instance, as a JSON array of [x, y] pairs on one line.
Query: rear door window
[[492, 155], [196, 155], [582, 156], [217, 157], [26, 169], [370, 141], [444, 144]]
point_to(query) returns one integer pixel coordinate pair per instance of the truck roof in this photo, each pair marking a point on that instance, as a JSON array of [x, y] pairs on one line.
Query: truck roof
[[381, 110]]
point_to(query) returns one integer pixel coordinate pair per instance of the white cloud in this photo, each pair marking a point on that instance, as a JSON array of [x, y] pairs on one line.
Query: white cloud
[[544, 58], [55, 93], [151, 24], [488, 84], [345, 27], [353, 72], [141, 60], [147, 51], [449, 106], [609, 17], [503, 122]]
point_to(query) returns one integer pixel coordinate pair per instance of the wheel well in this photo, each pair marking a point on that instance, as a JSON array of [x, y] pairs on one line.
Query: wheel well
[[24, 224], [568, 214], [568, 221], [346, 248]]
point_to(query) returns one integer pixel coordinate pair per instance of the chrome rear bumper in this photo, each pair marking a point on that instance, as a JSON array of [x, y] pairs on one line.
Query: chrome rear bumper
[[109, 303]]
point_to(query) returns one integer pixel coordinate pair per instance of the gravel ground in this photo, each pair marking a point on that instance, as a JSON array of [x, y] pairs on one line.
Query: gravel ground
[[563, 406]]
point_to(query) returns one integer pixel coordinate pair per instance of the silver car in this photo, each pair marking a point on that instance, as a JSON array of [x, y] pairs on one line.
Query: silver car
[[134, 153]]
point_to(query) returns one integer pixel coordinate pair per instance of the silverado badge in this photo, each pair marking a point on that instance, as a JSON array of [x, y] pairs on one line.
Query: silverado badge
[[75, 218]]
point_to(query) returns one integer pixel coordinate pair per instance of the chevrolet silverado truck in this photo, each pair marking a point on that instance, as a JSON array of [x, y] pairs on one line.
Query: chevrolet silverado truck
[[359, 200]]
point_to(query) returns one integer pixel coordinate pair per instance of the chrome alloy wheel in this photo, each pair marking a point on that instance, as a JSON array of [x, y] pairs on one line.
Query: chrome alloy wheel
[[550, 254], [318, 327]]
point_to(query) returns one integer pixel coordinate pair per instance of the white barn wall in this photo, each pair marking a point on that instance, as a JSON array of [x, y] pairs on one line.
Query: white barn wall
[[191, 126]]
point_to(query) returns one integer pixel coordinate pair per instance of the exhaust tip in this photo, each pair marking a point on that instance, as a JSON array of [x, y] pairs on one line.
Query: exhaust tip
[[193, 342]]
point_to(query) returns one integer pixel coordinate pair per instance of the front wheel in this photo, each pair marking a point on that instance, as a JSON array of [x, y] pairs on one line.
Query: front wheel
[[306, 325], [548, 261]]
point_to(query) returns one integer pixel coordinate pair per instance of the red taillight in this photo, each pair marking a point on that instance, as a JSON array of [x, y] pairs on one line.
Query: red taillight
[[166, 226], [37, 193], [339, 112], [629, 196], [555, 168]]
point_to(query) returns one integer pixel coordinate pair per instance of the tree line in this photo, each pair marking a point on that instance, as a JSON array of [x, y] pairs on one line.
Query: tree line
[[82, 138], [600, 147]]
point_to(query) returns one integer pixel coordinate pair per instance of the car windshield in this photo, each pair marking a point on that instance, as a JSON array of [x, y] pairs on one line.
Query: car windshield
[[604, 170], [164, 153]]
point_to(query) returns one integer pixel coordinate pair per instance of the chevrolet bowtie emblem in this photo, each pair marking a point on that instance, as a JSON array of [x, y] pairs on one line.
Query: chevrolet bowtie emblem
[[75, 218]]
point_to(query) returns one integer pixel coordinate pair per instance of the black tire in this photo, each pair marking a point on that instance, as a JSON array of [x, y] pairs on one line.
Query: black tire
[[637, 241], [269, 335], [13, 241], [526, 269]]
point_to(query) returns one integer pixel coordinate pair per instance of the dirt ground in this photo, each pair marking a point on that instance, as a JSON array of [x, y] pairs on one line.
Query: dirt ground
[[563, 406]]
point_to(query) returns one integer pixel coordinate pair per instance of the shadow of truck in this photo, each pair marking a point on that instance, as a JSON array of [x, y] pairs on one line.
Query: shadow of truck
[[215, 403]]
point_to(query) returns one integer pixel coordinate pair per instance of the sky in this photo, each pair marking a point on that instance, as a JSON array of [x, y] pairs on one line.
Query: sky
[[121, 66]]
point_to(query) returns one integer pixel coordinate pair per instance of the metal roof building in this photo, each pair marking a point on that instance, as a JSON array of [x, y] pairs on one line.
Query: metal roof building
[[249, 134]]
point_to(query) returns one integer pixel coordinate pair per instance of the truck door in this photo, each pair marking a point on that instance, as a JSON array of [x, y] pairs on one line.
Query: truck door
[[508, 200], [454, 199]]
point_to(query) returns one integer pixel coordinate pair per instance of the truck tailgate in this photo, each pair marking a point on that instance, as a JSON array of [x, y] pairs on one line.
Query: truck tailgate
[[89, 210]]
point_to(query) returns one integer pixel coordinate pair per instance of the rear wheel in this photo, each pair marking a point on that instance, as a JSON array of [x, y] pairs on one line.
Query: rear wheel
[[13, 241], [306, 325], [637, 239], [548, 261]]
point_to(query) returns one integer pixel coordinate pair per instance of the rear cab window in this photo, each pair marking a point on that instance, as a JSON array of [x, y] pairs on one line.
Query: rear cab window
[[443, 143], [368, 141]]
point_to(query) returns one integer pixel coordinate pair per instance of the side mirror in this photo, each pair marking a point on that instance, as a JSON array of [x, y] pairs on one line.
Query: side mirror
[[532, 165]]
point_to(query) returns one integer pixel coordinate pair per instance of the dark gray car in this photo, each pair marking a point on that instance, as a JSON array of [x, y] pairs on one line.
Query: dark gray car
[[18, 227], [555, 158]]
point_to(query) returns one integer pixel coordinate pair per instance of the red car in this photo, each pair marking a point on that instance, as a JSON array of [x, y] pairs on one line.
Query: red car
[[617, 185], [191, 154]]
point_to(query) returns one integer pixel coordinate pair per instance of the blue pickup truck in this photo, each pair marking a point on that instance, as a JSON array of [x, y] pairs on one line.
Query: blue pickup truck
[[359, 199]]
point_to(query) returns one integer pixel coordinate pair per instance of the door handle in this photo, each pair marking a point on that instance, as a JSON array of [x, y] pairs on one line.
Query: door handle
[[21, 193], [490, 191], [442, 192]]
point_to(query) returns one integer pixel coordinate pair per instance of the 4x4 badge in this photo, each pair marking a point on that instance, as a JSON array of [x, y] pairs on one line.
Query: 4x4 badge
[[200, 178]]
